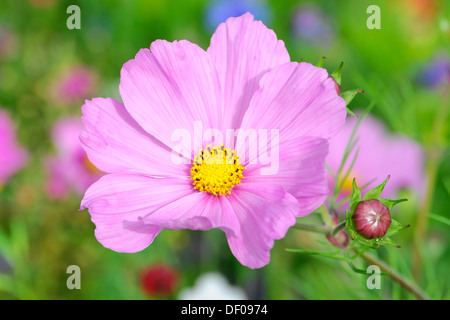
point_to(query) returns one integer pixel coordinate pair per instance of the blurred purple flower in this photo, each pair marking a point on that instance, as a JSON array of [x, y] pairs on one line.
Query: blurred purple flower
[[75, 85], [312, 26], [219, 11], [69, 169], [12, 156], [5, 266], [380, 154], [436, 73]]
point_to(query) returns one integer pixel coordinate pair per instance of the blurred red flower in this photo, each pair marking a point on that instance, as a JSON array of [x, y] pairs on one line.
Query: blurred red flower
[[159, 281]]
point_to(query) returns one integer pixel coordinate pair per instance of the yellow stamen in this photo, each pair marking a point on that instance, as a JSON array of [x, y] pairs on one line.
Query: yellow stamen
[[347, 186], [216, 170]]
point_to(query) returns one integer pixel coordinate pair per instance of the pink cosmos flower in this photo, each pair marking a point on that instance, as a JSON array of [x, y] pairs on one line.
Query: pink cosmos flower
[[75, 85], [12, 156], [380, 154], [69, 169], [244, 80]]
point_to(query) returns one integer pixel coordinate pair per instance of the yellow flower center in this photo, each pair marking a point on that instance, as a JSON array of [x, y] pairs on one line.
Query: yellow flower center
[[216, 170], [347, 187]]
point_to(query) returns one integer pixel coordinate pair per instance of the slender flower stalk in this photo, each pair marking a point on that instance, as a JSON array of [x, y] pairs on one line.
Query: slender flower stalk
[[396, 276], [433, 155], [407, 284]]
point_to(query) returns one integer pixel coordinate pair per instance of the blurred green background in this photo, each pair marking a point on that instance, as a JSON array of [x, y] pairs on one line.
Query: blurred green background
[[40, 235]]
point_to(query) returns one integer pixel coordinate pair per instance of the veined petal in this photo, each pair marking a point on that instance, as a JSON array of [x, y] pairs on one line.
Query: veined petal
[[298, 99], [265, 213], [115, 143], [169, 87], [242, 50], [298, 165], [117, 202], [197, 211]]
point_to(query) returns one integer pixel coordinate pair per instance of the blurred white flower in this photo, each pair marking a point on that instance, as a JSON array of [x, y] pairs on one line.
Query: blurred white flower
[[212, 286]]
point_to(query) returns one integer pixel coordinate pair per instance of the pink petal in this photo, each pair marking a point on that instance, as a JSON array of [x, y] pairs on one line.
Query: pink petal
[[115, 143], [242, 50], [380, 154], [298, 99], [197, 211], [65, 136], [265, 212], [69, 168], [12, 156], [117, 202], [56, 184], [300, 171], [171, 87]]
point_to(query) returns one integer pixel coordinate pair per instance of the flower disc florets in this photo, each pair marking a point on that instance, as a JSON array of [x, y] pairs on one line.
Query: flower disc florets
[[216, 170]]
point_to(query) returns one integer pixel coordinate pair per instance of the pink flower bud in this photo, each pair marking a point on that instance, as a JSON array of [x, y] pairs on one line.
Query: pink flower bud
[[341, 239], [371, 219]]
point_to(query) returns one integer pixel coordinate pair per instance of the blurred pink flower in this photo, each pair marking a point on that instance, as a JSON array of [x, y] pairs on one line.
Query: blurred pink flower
[[380, 154], [69, 169], [74, 85], [12, 156], [244, 81], [8, 42]]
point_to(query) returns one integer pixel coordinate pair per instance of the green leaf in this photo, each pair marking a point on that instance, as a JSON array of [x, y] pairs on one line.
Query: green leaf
[[351, 265], [396, 227], [375, 193], [350, 112], [333, 255], [356, 196], [337, 74], [440, 218], [355, 269], [391, 203], [348, 149], [386, 241], [359, 252], [349, 95], [372, 243], [320, 62]]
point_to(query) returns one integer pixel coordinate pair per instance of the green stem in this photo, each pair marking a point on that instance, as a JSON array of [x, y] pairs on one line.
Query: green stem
[[312, 227], [433, 153], [326, 218], [338, 228], [395, 276]]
